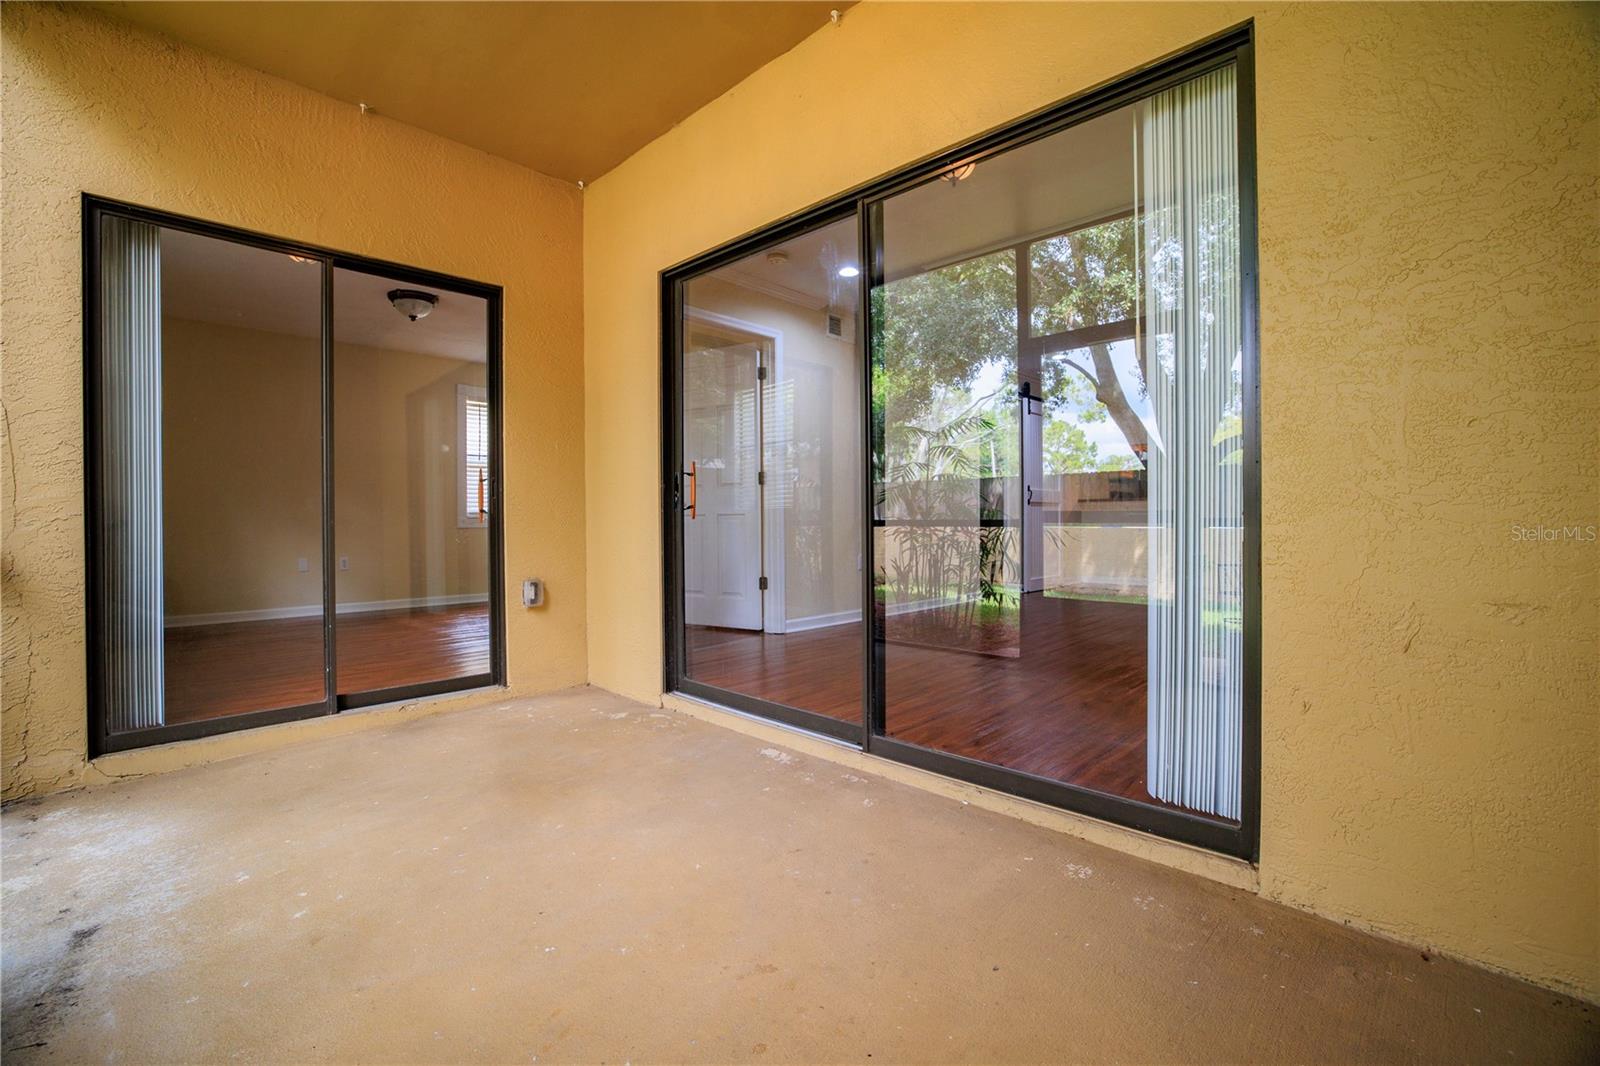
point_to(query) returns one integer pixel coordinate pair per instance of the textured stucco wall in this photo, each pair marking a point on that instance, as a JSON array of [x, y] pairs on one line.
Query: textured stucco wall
[[1429, 250], [90, 105]]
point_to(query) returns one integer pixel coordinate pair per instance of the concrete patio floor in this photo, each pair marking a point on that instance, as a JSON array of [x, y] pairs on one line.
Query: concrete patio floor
[[579, 877]]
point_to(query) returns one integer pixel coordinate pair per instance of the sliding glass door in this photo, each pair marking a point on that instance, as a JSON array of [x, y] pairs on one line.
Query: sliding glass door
[[1055, 375], [243, 393]]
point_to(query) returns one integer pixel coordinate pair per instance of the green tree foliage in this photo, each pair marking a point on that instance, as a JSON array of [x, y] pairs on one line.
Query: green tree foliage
[[1084, 278], [936, 331]]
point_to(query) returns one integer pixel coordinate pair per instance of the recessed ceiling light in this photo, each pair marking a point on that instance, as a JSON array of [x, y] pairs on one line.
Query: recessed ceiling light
[[849, 272]]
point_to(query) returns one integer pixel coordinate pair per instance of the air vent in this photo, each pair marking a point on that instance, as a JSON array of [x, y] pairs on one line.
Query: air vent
[[836, 325]]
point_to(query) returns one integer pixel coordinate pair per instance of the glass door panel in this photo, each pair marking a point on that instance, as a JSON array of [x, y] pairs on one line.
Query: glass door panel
[[771, 480], [1056, 391], [412, 487], [242, 478], [208, 465]]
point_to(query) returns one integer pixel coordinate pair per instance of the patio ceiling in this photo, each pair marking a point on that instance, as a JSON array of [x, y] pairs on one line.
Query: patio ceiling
[[568, 89]]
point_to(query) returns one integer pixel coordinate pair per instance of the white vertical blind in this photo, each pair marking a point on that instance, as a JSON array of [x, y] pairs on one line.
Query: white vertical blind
[[129, 539], [1188, 214]]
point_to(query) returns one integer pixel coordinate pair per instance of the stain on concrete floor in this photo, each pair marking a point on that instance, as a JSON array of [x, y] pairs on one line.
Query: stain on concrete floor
[[580, 878]]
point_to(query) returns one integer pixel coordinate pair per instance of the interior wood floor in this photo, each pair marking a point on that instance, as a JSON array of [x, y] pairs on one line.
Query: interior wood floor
[[237, 667], [1069, 706]]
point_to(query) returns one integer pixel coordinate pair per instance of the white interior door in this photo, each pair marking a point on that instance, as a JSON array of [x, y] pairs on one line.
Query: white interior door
[[722, 446]]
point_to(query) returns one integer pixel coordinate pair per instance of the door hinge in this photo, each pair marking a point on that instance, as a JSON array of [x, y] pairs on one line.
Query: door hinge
[[761, 373], [761, 477], [763, 583]]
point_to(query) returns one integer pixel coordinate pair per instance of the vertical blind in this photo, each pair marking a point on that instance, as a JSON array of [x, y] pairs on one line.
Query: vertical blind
[[1188, 214], [128, 542]]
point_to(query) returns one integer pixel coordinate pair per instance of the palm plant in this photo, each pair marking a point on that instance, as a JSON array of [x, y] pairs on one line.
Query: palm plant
[[922, 494]]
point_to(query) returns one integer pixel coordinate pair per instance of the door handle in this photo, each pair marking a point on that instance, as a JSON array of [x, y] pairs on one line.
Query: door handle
[[694, 488]]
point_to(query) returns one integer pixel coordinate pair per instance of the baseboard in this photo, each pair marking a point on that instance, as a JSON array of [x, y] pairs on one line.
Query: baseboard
[[822, 621], [313, 610]]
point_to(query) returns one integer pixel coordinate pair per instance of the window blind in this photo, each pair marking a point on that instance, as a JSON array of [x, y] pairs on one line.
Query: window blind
[[475, 455], [1189, 221]]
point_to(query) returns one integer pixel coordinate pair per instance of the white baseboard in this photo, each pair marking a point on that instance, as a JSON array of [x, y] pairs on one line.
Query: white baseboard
[[822, 621], [313, 610]]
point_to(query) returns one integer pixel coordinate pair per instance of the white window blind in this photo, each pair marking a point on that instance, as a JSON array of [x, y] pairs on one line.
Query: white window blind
[[472, 416], [1189, 220]]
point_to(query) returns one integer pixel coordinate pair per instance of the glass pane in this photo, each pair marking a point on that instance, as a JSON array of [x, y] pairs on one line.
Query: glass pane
[[411, 483], [1084, 277], [772, 458], [1056, 449], [947, 536], [241, 477]]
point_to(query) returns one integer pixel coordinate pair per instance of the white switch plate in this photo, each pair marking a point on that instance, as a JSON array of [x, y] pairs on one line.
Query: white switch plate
[[344, 562], [303, 565], [532, 592]]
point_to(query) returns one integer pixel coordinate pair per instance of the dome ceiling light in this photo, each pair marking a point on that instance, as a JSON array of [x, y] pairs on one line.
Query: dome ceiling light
[[960, 173], [413, 303]]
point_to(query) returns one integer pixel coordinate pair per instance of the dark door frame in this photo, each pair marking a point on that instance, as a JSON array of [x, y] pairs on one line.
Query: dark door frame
[[101, 741], [1231, 47]]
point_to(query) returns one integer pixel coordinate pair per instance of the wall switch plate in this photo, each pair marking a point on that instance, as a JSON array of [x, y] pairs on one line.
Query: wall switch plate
[[303, 565], [344, 562], [532, 592]]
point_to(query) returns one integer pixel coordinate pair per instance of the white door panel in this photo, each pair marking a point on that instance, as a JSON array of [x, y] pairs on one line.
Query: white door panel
[[722, 444]]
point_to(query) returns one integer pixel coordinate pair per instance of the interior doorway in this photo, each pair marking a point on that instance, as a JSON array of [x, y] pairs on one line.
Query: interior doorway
[[723, 443]]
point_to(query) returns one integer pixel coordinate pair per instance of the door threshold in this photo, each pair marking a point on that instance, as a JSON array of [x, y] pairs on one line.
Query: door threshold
[[402, 699], [787, 727]]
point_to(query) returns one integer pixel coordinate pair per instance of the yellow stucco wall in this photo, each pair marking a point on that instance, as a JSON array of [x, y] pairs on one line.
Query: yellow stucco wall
[[1429, 249], [90, 105]]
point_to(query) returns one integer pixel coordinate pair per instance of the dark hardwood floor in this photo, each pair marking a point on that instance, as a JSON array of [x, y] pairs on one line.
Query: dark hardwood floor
[[816, 670], [220, 670], [387, 649], [1068, 705]]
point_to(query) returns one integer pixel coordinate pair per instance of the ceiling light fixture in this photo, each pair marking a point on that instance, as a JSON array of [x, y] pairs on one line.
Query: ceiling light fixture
[[849, 272], [778, 258], [413, 303], [961, 173], [302, 259]]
